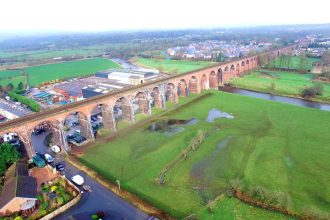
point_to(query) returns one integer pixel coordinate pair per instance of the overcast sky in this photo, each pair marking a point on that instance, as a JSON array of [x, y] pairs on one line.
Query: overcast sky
[[107, 15]]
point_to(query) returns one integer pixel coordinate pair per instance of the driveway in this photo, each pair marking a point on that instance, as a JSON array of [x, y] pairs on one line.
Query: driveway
[[99, 199]]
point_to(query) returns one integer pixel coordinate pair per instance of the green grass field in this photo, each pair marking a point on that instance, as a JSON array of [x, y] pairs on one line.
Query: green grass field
[[48, 72], [39, 74], [172, 66], [280, 147], [295, 63], [281, 83]]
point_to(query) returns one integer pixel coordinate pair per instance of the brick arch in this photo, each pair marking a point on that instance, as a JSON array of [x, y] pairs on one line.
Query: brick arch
[[238, 70], [204, 82], [226, 73], [124, 109], [213, 81], [157, 97], [143, 102], [24, 137], [242, 66], [247, 63], [107, 113], [84, 122], [220, 77], [232, 71], [171, 94], [193, 85], [182, 88]]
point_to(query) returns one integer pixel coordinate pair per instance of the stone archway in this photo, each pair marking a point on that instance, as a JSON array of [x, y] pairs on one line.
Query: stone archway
[[123, 110], [204, 82], [226, 73], [213, 81], [247, 63], [157, 98], [242, 67], [232, 71], [220, 77], [79, 121], [193, 85], [171, 94], [182, 88], [143, 103], [238, 70]]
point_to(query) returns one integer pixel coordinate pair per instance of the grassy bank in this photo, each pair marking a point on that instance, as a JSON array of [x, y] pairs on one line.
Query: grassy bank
[[281, 83], [280, 147], [172, 66]]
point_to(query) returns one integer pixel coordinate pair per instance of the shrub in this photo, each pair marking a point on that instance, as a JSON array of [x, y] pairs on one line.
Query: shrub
[[312, 91], [59, 200], [44, 206], [33, 105], [53, 188], [95, 217], [100, 214]]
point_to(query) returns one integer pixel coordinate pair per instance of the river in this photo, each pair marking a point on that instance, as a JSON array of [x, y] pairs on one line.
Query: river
[[276, 98]]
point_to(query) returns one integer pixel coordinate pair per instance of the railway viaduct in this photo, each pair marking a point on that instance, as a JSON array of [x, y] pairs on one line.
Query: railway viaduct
[[155, 93]]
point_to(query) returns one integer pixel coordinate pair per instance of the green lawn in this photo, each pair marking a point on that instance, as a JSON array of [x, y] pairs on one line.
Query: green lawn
[[39, 74], [280, 147], [281, 83], [173, 66], [48, 72], [294, 63], [14, 80]]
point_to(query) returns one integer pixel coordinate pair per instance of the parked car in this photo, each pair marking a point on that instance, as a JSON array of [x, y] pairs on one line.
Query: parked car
[[59, 167], [49, 158], [78, 180], [39, 131], [2, 118], [38, 161], [56, 149]]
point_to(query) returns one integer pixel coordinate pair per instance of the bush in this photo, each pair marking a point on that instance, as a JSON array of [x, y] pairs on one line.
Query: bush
[[95, 217], [44, 206], [59, 200], [312, 91], [33, 105]]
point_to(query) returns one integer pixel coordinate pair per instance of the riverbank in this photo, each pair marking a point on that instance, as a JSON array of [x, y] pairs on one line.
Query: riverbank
[[270, 143], [282, 83]]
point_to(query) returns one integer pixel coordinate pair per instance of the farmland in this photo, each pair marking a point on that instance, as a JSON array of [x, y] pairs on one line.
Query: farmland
[[281, 83], [279, 147], [172, 66], [43, 73]]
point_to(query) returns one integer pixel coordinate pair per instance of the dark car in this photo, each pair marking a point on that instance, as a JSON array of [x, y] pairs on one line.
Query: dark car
[[59, 167], [39, 131], [2, 118]]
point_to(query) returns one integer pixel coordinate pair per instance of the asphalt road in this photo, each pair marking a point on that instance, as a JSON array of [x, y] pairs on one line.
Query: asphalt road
[[99, 199]]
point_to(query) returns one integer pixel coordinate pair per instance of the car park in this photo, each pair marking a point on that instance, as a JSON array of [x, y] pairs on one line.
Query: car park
[[56, 149], [49, 158]]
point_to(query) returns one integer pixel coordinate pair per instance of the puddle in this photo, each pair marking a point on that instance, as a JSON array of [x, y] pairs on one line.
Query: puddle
[[202, 181], [171, 127], [214, 114]]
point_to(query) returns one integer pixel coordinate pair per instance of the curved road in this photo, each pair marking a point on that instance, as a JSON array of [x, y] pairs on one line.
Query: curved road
[[99, 199]]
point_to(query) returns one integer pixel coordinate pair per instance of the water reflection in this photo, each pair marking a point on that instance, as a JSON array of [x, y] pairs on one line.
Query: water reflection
[[294, 101]]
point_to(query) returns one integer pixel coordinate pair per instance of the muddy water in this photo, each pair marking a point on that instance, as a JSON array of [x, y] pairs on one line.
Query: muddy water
[[202, 181], [172, 126], [214, 114]]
